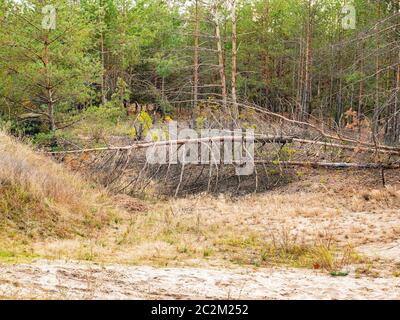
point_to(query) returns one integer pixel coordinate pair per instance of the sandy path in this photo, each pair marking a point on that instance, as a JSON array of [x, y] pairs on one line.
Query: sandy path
[[72, 280]]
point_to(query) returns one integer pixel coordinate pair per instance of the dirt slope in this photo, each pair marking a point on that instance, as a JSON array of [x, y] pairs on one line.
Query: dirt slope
[[40, 198]]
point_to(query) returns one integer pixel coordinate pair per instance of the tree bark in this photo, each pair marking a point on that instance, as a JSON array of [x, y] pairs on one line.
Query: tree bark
[[266, 68], [49, 89], [360, 94], [307, 108], [196, 64], [221, 65], [338, 165], [143, 145], [235, 110], [376, 112], [396, 110], [102, 84]]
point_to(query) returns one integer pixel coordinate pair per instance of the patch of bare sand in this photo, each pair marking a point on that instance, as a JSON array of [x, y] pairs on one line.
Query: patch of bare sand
[[389, 251], [72, 280]]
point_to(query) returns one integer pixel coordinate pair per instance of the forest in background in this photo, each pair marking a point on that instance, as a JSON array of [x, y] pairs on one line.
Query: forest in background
[[330, 61], [85, 212]]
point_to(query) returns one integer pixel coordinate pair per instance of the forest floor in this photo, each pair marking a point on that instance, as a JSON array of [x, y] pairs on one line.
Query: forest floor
[[327, 235]]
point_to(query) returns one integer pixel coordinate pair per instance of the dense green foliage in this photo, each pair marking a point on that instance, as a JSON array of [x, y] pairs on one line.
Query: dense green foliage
[[294, 57]]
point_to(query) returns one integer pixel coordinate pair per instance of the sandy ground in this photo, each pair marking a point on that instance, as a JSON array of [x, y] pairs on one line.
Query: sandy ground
[[72, 280], [320, 208]]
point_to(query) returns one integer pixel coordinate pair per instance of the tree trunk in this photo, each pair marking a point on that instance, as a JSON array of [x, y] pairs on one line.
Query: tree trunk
[[266, 70], [375, 117], [300, 83], [396, 111], [49, 89], [306, 99], [196, 64], [360, 95], [221, 66], [235, 111], [103, 91]]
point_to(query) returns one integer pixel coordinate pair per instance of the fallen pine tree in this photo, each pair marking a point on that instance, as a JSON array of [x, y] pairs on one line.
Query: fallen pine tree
[[122, 170], [144, 145]]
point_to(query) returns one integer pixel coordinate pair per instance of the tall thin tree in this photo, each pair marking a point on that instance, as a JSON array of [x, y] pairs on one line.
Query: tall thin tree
[[235, 110], [221, 65], [196, 63]]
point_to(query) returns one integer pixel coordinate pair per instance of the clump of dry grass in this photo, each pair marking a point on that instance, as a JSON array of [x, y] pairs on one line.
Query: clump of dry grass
[[40, 198], [389, 194], [373, 199], [287, 248], [329, 258]]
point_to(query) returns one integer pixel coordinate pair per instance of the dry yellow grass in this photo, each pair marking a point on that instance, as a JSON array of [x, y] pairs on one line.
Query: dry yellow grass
[[303, 226], [39, 198], [321, 230]]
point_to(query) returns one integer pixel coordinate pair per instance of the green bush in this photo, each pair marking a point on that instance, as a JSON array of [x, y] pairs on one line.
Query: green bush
[[145, 123], [286, 153], [105, 113], [23, 127], [45, 139]]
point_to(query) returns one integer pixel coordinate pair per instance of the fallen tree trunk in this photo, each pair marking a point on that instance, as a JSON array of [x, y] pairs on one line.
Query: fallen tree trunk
[[334, 165], [321, 131], [342, 146], [256, 139], [329, 165]]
